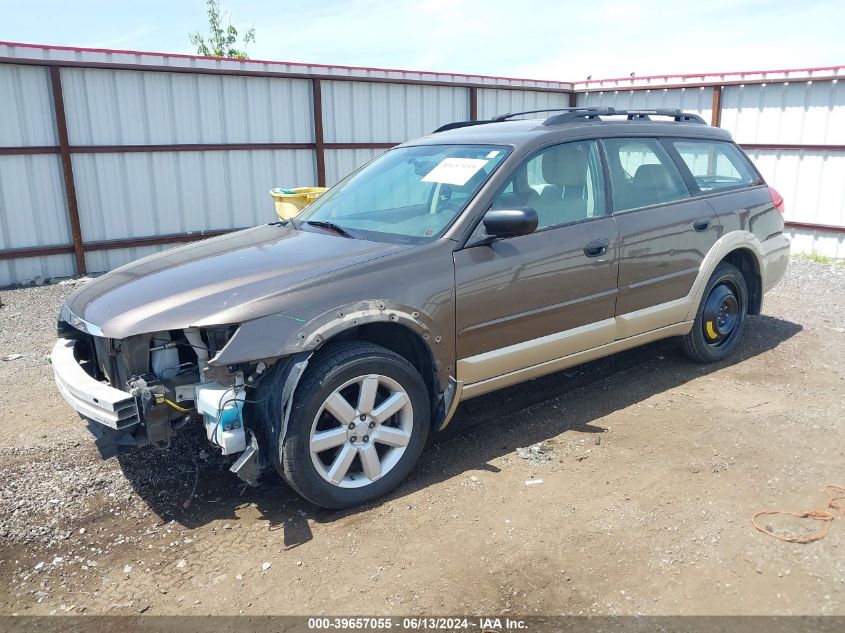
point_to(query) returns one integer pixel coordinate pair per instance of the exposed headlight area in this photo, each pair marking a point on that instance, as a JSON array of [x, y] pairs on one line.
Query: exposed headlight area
[[168, 356], [69, 324], [165, 374]]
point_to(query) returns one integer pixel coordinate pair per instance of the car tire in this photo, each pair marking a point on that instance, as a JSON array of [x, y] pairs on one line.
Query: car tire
[[720, 316], [368, 409]]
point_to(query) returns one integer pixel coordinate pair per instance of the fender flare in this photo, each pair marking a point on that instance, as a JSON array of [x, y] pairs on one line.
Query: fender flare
[[278, 335], [735, 240]]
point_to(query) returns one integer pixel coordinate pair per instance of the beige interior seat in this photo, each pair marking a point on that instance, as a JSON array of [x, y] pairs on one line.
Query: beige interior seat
[[653, 184], [564, 198], [518, 194]]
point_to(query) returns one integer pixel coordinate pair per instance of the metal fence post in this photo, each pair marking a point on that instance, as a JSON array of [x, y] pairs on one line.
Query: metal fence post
[[67, 170], [319, 142], [716, 116]]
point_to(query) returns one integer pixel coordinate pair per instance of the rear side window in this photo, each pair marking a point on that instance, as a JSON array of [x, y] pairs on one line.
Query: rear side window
[[715, 164], [642, 173]]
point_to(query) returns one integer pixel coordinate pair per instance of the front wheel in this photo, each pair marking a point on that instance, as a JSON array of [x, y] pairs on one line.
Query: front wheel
[[720, 317], [359, 422]]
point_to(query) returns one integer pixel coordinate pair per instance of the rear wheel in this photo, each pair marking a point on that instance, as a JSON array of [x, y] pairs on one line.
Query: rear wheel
[[358, 424], [720, 317]]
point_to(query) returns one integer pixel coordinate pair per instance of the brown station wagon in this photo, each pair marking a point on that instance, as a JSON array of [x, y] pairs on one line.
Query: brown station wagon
[[488, 253]]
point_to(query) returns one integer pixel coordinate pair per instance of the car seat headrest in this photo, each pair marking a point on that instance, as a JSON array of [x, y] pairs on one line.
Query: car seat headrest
[[565, 166]]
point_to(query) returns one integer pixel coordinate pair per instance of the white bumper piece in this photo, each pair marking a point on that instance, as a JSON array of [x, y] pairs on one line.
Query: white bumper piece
[[90, 398]]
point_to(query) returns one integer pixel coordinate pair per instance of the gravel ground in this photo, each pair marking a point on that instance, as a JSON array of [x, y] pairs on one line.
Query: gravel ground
[[28, 314], [645, 470]]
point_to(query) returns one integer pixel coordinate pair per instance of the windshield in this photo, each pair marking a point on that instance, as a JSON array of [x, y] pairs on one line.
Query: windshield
[[408, 194]]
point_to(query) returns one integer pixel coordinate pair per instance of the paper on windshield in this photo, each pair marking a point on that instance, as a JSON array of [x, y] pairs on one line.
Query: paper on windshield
[[455, 171]]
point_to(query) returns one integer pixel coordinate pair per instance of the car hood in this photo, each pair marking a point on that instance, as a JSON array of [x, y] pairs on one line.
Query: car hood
[[223, 280]]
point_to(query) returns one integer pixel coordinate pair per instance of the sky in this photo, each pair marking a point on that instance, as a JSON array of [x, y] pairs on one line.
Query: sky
[[564, 41]]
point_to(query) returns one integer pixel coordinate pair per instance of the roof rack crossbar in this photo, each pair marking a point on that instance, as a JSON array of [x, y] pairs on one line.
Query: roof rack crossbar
[[499, 118], [504, 117], [568, 115], [632, 115], [675, 113]]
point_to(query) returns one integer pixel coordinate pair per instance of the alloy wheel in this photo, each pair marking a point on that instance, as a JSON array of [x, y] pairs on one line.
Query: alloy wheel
[[361, 431]]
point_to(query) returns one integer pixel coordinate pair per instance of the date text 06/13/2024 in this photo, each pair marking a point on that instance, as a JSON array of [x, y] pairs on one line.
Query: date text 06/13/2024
[[417, 623]]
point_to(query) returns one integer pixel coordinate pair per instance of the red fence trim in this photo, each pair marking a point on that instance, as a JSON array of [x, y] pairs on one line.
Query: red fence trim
[[78, 49], [710, 84], [709, 74], [186, 147], [108, 51], [810, 226], [796, 147], [240, 72]]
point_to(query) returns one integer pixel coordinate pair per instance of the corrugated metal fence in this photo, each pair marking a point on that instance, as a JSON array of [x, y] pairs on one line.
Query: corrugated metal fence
[[106, 156], [790, 122]]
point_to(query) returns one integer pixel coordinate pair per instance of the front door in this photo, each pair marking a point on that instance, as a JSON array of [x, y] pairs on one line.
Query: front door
[[664, 234], [531, 299]]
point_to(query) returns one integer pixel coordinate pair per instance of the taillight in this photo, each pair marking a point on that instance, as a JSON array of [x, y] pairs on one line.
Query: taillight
[[777, 199]]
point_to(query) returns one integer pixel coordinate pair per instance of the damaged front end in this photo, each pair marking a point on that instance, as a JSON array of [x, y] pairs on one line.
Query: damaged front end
[[140, 390]]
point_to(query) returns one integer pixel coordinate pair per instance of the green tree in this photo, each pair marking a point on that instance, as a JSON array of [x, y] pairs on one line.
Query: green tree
[[221, 41]]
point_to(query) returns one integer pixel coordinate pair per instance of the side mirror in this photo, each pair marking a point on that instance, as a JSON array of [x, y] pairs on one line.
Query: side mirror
[[510, 222]]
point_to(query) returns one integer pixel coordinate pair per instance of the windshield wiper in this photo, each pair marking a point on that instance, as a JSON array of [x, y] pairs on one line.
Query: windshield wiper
[[331, 226]]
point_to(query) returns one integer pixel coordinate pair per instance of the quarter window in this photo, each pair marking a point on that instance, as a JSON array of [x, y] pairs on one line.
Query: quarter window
[[563, 184], [642, 173], [715, 165]]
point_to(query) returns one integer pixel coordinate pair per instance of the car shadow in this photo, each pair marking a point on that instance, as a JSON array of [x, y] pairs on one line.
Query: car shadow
[[191, 485]]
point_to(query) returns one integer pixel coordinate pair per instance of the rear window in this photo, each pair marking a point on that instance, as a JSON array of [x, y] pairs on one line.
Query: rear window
[[642, 173], [715, 165]]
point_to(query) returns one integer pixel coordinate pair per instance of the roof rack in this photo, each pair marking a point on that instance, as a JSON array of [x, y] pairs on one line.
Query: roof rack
[[456, 124], [510, 115], [575, 114], [503, 117], [592, 113]]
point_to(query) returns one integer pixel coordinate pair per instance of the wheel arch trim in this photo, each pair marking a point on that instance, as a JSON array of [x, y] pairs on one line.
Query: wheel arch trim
[[724, 246], [279, 335]]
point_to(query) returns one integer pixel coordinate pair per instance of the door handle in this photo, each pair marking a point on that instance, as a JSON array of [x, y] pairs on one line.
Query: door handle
[[701, 224], [596, 248]]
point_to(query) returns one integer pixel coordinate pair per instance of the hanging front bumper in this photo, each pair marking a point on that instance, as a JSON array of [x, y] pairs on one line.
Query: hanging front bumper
[[90, 398]]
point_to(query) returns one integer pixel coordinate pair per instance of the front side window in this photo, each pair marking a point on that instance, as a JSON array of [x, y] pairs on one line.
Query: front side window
[[642, 173], [563, 184], [715, 164], [408, 194]]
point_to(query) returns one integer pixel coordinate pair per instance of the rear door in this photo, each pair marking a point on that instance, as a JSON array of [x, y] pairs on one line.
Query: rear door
[[664, 234], [722, 173], [525, 300]]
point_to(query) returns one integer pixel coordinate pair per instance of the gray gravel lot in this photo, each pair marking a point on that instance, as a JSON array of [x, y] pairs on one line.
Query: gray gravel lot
[[651, 469]]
